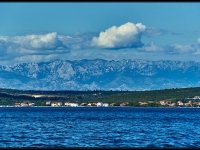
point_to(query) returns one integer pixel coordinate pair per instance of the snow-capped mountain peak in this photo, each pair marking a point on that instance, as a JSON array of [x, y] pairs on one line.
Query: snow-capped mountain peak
[[100, 74]]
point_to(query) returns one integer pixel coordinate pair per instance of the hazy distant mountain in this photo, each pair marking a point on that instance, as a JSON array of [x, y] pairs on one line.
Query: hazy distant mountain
[[100, 74]]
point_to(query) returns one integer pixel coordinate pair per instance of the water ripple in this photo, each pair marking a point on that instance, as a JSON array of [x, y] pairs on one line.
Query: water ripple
[[100, 127]]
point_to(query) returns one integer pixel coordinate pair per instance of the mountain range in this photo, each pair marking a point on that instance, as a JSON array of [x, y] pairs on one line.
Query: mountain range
[[99, 74]]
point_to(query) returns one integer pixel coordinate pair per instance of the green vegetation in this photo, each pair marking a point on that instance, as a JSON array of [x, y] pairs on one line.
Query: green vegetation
[[10, 96]]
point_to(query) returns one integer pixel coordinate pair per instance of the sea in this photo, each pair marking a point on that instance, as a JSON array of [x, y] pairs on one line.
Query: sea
[[99, 127]]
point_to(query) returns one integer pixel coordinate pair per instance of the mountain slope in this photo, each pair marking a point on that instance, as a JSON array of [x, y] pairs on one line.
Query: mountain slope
[[101, 74]]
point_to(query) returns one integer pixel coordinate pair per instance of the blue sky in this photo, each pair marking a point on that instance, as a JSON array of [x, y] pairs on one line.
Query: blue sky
[[45, 31]]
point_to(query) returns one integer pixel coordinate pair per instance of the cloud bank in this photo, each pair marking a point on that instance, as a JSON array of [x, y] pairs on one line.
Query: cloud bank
[[46, 41], [116, 42], [198, 41], [127, 35], [190, 49]]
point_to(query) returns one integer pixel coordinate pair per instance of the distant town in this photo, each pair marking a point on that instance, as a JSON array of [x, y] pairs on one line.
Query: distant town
[[189, 102], [183, 97]]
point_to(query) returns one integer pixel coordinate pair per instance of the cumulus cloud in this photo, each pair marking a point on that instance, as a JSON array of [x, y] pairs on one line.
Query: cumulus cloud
[[152, 47], [77, 41], [12, 47], [33, 41], [181, 48], [41, 45], [125, 36], [46, 41], [44, 47], [32, 45], [151, 32], [198, 41]]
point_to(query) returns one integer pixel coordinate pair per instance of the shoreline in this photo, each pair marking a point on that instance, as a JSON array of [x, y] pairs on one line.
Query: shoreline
[[87, 107]]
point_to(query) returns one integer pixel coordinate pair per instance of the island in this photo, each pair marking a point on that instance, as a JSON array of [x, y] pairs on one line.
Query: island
[[177, 97]]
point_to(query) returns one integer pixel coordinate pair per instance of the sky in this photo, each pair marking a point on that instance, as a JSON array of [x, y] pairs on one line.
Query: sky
[[34, 32]]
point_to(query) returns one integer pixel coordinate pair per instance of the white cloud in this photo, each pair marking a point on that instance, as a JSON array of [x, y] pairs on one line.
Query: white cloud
[[40, 46], [152, 47], [150, 32], [13, 47], [45, 41], [125, 36], [71, 42], [183, 48], [41, 42], [44, 47], [198, 41]]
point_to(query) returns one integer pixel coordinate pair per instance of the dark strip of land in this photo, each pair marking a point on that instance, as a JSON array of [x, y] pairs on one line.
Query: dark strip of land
[[131, 98]]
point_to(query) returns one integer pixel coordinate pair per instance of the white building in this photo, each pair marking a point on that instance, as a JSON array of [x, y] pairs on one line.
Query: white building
[[163, 102], [143, 103], [189, 103], [99, 104], [17, 104], [48, 103], [74, 105], [54, 104], [67, 104], [112, 104], [31, 104], [24, 104], [71, 104], [180, 103], [83, 104], [89, 104], [172, 104], [196, 97], [105, 104]]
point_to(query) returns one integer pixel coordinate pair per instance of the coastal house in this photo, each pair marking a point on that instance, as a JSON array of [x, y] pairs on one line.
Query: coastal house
[[105, 104], [89, 104], [74, 104], [31, 104], [17, 104], [24, 104], [143, 103], [83, 104], [124, 104], [67, 104], [56, 104], [94, 104], [188, 104], [71, 104], [112, 104], [180, 103], [165, 102], [196, 103], [172, 104], [48, 103], [99, 104], [196, 98]]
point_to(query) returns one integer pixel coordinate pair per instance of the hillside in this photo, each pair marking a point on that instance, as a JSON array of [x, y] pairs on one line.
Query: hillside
[[10, 97]]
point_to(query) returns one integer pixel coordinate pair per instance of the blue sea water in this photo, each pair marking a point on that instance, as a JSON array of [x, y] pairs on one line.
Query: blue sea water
[[126, 127]]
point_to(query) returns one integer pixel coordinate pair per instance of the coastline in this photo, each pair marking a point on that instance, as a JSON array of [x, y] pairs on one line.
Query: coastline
[[87, 107]]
